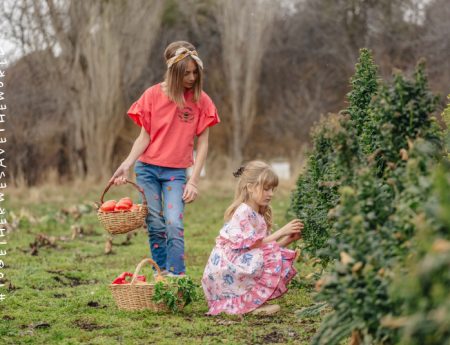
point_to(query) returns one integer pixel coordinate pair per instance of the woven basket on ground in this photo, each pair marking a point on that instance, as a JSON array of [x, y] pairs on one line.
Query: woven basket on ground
[[138, 295], [121, 222]]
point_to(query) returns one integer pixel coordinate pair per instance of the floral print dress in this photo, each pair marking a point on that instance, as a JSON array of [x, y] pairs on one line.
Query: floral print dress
[[238, 279]]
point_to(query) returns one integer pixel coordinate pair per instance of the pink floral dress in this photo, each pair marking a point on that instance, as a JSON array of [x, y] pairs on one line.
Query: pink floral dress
[[238, 279]]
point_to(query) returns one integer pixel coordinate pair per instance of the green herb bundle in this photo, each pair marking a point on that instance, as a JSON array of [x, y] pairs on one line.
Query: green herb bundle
[[176, 293]]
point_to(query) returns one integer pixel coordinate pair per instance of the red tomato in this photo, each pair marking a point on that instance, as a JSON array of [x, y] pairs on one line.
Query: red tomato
[[126, 201], [108, 206], [122, 206]]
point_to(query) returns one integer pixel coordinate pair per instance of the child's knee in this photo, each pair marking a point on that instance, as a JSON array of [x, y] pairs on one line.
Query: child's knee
[[154, 220], [174, 222]]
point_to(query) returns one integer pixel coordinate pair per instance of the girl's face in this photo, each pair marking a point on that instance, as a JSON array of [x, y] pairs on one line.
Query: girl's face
[[262, 195], [190, 75]]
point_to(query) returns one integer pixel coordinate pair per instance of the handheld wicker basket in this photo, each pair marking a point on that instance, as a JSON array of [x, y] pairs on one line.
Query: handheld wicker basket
[[121, 222], [138, 295]]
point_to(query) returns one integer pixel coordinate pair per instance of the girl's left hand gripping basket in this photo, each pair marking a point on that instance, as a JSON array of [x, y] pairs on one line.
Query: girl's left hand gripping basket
[[123, 221]]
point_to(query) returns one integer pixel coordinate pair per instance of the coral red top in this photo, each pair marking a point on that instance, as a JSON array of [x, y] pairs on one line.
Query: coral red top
[[172, 130]]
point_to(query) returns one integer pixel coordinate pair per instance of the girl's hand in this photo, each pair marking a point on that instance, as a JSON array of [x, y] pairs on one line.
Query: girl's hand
[[295, 237], [190, 192], [121, 174], [294, 227]]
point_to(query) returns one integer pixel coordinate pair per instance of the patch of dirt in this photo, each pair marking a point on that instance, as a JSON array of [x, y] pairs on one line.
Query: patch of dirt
[[82, 231], [86, 257], [258, 322], [12, 287], [70, 281], [59, 295], [40, 325], [226, 322], [274, 337], [43, 240], [310, 329], [206, 335], [307, 323], [292, 334], [87, 325], [94, 304], [29, 329]]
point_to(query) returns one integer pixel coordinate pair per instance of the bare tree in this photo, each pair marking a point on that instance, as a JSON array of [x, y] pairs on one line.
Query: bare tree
[[312, 54], [272, 71], [36, 129], [245, 28], [100, 48], [436, 45]]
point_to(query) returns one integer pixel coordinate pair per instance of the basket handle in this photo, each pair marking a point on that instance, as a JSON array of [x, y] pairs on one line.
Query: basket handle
[[144, 200], [139, 266]]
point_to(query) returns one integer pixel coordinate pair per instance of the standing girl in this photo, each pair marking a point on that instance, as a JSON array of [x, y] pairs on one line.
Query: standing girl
[[249, 266], [171, 114]]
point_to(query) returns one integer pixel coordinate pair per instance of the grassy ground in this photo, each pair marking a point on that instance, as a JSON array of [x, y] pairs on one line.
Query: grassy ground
[[60, 294]]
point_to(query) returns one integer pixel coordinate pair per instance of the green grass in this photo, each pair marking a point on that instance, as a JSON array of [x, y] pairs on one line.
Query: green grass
[[61, 296]]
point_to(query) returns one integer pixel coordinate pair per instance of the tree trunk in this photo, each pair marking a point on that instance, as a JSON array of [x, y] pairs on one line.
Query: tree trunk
[[245, 32]]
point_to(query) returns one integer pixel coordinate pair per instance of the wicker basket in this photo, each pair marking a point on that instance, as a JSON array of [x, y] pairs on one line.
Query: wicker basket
[[121, 222], [138, 295]]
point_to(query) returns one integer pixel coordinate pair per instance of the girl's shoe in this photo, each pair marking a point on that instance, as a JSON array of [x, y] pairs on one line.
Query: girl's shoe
[[267, 309], [173, 275], [163, 273]]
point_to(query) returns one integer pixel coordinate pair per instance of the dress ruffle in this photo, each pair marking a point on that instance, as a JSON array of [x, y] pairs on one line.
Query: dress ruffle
[[288, 272], [277, 272]]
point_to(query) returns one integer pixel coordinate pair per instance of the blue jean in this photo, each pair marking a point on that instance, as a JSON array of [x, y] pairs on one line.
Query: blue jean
[[163, 189]]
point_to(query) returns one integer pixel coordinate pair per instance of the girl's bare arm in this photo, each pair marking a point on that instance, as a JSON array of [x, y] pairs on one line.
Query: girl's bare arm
[[191, 189], [139, 146], [200, 158]]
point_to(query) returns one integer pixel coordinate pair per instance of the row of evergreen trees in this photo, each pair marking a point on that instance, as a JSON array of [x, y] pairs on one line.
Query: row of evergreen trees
[[369, 196]]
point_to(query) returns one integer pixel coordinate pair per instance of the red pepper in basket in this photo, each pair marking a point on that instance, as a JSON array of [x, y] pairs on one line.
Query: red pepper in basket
[[122, 278]]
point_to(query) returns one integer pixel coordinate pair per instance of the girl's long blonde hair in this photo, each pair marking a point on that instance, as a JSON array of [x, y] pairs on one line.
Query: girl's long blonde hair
[[258, 175], [173, 78]]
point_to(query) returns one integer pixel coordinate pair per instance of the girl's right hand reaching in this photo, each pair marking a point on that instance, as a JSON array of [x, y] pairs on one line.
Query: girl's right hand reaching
[[294, 227], [292, 231], [121, 174]]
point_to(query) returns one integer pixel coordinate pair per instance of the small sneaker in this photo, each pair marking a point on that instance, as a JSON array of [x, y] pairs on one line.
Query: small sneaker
[[163, 273], [173, 275], [267, 309]]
